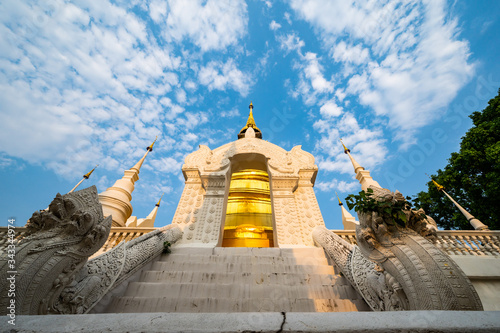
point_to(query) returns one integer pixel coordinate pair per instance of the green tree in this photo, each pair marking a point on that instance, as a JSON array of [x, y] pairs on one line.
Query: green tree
[[472, 176]]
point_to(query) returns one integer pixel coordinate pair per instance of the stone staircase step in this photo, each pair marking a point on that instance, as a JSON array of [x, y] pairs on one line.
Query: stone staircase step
[[241, 267], [289, 279], [129, 304], [239, 280], [251, 259], [247, 291]]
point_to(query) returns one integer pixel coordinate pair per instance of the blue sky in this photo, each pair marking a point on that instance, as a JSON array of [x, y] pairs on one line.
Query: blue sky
[[93, 82]]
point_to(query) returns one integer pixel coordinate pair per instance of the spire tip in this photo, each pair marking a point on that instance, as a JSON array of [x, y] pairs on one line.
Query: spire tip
[[340, 202], [87, 175], [158, 204], [150, 147], [346, 150]]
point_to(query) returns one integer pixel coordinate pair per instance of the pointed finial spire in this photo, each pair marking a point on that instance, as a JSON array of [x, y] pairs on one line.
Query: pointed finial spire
[[439, 187], [138, 165], [353, 161], [150, 147], [348, 220], [116, 199], [158, 203], [340, 202], [85, 176], [250, 123], [346, 150], [475, 223], [362, 175]]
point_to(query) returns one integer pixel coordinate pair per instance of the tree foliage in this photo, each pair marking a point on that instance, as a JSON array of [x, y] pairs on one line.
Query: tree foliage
[[472, 176], [365, 202]]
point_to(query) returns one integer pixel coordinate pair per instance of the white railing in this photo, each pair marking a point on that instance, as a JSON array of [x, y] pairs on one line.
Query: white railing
[[452, 242]]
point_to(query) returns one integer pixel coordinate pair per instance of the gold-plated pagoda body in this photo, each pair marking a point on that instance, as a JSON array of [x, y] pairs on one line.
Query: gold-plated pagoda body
[[250, 123], [249, 220]]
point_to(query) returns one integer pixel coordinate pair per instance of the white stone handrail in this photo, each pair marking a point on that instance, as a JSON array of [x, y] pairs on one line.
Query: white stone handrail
[[455, 242], [116, 235], [452, 242]]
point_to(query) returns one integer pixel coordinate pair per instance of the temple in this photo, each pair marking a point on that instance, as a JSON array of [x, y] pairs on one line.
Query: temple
[[248, 250]]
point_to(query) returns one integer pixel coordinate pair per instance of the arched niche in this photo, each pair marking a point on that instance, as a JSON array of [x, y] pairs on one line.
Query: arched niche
[[248, 219]]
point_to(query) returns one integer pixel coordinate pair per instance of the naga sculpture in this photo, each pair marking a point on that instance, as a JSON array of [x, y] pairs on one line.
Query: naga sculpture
[[56, 246], [396, 266], [53, 274]]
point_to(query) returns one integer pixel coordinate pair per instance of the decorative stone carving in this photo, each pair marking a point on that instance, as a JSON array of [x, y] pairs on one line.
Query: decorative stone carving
[[399, 268], [110, 269], [54, 276], [57, 244]]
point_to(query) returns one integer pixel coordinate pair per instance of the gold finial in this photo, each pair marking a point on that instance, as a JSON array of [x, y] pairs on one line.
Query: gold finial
[[439, 187], [87, 175], [346, 150], [340, 202], [158, 204], [250, 123], [150, 148]]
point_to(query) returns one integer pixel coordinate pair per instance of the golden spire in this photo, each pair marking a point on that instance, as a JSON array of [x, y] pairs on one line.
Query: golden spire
[[475, 223], [138, 165], [85, 176], [250, 123], [158, 204], [150, 147], [340, 202], [362, 175], [346, 150], [439, 187]]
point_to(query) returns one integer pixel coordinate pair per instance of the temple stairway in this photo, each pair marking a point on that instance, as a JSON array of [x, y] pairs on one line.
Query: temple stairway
[[225, 279]]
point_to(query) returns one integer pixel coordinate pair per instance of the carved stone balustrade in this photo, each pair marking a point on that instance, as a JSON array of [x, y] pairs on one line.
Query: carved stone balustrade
[[452, 242]]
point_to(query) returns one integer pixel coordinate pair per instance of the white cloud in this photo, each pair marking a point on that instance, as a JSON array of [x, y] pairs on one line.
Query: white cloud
[[88, 83], [337, 185], [157, 10], [402, 59], [313, 72], [274, 25], [367, 145], [211, 25], [291, 42], [312, 81], [230, 113], [330, 109], [268, 3], [350, 54], [166, 164], [222, 76]]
